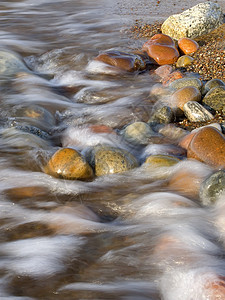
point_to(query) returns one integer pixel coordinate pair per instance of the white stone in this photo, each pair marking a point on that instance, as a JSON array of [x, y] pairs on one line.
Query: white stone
[[194, 22]]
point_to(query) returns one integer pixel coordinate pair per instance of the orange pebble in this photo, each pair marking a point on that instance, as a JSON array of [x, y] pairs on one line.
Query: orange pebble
[[187, 46]]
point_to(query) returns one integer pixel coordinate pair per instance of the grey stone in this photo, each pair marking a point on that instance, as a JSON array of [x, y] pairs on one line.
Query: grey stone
[[196, 21], [138, 133], [215, 98], [212, 188], [212, 84], [186, 81], [195, 112], [11, 63]]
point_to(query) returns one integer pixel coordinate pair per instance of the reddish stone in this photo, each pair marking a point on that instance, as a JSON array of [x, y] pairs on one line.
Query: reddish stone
[[208, 146], [101, 129], [163, 71], [172, 77], [186, 182], [187, 46], [124, 61], [162, 49], [185, 141]]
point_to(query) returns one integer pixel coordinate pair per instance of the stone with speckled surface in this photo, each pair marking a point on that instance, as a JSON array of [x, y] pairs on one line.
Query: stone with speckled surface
[[194, 22]]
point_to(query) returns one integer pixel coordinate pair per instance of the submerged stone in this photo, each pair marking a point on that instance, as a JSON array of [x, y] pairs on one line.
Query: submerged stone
[[161, 160], [196, 21], [212, 188], [67, 163], [110, 160], [138, 133], [124, 61], [11, 63]]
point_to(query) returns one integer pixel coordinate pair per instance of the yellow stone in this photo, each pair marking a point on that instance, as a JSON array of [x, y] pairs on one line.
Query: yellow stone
[[67, 163]]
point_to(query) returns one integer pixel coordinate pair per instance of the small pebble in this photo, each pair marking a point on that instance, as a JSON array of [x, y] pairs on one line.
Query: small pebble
[[187, 46]]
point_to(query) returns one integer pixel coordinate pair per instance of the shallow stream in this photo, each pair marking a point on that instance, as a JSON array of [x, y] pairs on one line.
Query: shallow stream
[[123, 236]]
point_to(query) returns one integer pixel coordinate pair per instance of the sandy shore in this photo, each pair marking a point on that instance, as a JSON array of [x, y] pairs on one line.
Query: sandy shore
[[152, 10]]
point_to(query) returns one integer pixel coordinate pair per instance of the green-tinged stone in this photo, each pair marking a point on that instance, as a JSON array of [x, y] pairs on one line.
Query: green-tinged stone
[[212, 188], [163, 115], [215, 98], [138, 133], [213, 83], [109, 160], [186, 81], [161, 160], [184, 61]]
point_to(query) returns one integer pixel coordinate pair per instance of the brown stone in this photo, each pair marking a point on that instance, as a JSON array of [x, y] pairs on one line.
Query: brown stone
[[67, 163], [208, 146], [162, 49], [187, 46], [186, 182], [184, 95], [124, 61]]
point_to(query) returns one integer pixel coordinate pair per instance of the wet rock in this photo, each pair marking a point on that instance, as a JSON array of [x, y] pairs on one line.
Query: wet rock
[[11, 63], [110, 160], [13, 138], [184, 95], [67, 163], [186, 81], [162, 115], [172, 77], [172, 132], [195, 112], [124, 61], [161, 160], [212, 188], [213, 83], [215, 98], [185, 141], [188, 178], [208, 146], [163, 71], [183, 61], [34, 114], [196, 21], [162, 49], [138, 133], [187, 46]]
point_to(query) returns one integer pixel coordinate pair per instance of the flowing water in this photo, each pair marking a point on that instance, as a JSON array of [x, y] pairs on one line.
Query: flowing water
[[123, 236]]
